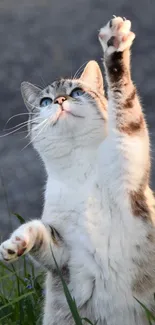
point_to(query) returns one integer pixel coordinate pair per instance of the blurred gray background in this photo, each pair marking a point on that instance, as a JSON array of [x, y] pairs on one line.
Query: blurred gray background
[[40, 41]]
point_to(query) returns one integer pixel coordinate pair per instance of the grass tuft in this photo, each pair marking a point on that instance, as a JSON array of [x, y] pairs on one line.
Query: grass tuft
[[22, 294]]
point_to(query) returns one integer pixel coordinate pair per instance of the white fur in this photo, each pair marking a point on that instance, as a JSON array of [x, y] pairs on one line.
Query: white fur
[[86, 201]]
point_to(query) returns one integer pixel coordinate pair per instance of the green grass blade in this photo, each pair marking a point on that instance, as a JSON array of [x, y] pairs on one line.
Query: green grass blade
[[20, 218], [88, 321], [150, 316], [71, 302], [6, 267], [17, 299], [25, 266], [6, 316], [7, 276], [17, 276]]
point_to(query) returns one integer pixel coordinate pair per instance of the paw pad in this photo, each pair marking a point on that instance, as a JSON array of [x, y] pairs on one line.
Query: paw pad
[[11, 252], [116, 35]]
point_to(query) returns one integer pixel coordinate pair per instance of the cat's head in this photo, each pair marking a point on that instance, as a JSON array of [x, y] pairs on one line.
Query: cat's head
[[69, 113]]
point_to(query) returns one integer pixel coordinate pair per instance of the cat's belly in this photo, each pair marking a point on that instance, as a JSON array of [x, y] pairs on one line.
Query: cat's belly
[[104, 266], [104, 290], [102, 245], [111, 306]]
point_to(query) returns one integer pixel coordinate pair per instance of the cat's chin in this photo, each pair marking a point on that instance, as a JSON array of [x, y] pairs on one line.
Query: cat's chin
[[67, 143], [65, 112], [66, 109]]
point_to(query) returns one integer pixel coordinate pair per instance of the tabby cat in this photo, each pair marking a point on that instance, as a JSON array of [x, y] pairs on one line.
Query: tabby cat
[[98, 216]]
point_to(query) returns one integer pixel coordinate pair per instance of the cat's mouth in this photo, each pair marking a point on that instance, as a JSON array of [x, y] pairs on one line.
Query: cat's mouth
[[63, 112]]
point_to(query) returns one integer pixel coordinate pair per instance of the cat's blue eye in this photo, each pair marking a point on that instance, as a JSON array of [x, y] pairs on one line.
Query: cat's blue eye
[[77, 93], [46, 101]]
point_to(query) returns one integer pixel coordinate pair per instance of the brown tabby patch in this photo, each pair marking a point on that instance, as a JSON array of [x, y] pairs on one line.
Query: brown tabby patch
[[139, 204], [129, 103], [151, 238], [115, 66], [132, 127], [64, 272], [37, 246], [142, 283], [56, 237]]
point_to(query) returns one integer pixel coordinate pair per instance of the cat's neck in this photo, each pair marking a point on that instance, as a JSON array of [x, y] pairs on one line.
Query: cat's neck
[[74, 168]]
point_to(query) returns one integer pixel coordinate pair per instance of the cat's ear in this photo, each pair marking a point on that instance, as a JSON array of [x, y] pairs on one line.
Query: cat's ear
[[92, 76], [29, 94]]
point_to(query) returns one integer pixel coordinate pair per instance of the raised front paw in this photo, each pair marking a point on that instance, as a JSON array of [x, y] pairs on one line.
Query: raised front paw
[[21, 241], [116, 36]]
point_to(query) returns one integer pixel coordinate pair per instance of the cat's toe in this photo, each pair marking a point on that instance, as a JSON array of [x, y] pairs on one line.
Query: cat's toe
[[116, 35], [126, 42], [115, 21], [107, 32], [21, 243], [8, 251], [12, 248]]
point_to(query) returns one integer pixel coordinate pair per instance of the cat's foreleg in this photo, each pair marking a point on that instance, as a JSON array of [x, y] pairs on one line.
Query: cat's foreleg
[[37, 239], [128, 134]]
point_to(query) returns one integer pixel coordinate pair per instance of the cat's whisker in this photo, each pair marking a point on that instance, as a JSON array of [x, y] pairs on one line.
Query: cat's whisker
[[36, 85], [43, 82], [16, 126], [31, 105], [37, 133], [79, 70], [28, 134], [22, 123], [4, 135], [34, 129], [22, 132], [20, 114]]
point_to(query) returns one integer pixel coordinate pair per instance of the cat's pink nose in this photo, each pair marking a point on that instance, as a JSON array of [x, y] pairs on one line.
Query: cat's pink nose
[[60, 100]]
